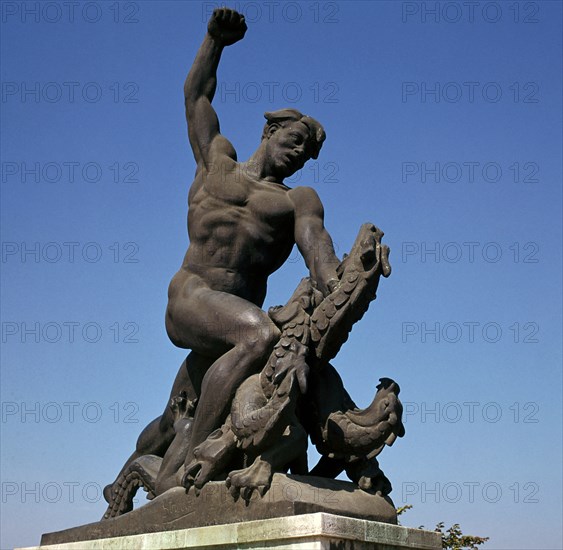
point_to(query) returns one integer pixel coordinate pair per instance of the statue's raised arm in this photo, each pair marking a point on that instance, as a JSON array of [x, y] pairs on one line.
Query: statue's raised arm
[[225, 28]]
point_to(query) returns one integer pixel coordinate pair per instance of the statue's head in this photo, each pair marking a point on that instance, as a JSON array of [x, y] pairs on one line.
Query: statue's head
[[293, 139]]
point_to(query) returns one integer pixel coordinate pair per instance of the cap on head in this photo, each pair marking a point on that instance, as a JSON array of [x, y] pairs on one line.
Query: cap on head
[[316, 132]]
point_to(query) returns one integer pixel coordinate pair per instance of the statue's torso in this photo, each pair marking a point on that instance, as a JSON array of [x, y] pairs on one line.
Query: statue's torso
[[240, 229]]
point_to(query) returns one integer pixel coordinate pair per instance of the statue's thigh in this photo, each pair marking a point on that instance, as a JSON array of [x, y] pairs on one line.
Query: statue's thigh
[[213, 322]]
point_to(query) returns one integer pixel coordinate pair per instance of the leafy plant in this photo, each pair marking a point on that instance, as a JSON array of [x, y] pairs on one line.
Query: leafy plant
[[453, 538]]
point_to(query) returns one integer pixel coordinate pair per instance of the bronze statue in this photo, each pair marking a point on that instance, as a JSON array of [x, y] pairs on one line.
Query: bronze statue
[[256, 385]]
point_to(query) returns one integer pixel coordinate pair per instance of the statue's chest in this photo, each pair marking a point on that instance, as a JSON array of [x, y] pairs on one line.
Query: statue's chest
[[270, 205], [267, 202]]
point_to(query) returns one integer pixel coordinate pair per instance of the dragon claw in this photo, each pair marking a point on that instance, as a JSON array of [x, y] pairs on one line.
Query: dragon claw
[[243, 483]]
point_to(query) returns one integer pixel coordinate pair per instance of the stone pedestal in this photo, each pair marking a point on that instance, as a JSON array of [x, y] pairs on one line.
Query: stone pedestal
[[302, 512], [319, 531]]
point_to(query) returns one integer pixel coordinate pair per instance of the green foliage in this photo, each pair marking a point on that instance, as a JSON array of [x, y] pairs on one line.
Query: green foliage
[[403, 509], [453, 538]]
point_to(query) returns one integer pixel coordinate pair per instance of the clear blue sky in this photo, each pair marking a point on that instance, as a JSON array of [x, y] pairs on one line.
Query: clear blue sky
[[442, 128]]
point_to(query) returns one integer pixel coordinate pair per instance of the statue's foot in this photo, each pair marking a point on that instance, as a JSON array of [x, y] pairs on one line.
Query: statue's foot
[[243, 483]]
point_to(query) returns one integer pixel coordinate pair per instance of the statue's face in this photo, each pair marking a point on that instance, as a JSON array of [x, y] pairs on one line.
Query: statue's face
[[287, 148]]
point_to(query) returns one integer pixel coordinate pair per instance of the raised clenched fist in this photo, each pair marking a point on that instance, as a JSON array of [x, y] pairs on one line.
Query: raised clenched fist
[[226, 26]]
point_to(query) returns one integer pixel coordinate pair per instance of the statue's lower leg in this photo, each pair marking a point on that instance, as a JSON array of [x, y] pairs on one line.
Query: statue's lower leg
[[219, 386]]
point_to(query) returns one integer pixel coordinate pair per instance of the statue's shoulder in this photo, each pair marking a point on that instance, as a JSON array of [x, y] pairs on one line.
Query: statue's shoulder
[[306, 199], [303, 193]]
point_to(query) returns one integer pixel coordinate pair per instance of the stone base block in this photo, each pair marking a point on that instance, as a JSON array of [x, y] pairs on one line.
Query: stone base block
[[289, 495], [318, 531]]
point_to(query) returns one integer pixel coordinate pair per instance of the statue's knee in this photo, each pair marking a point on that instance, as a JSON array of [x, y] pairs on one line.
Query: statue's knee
[[270, 335], [260, 339]]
